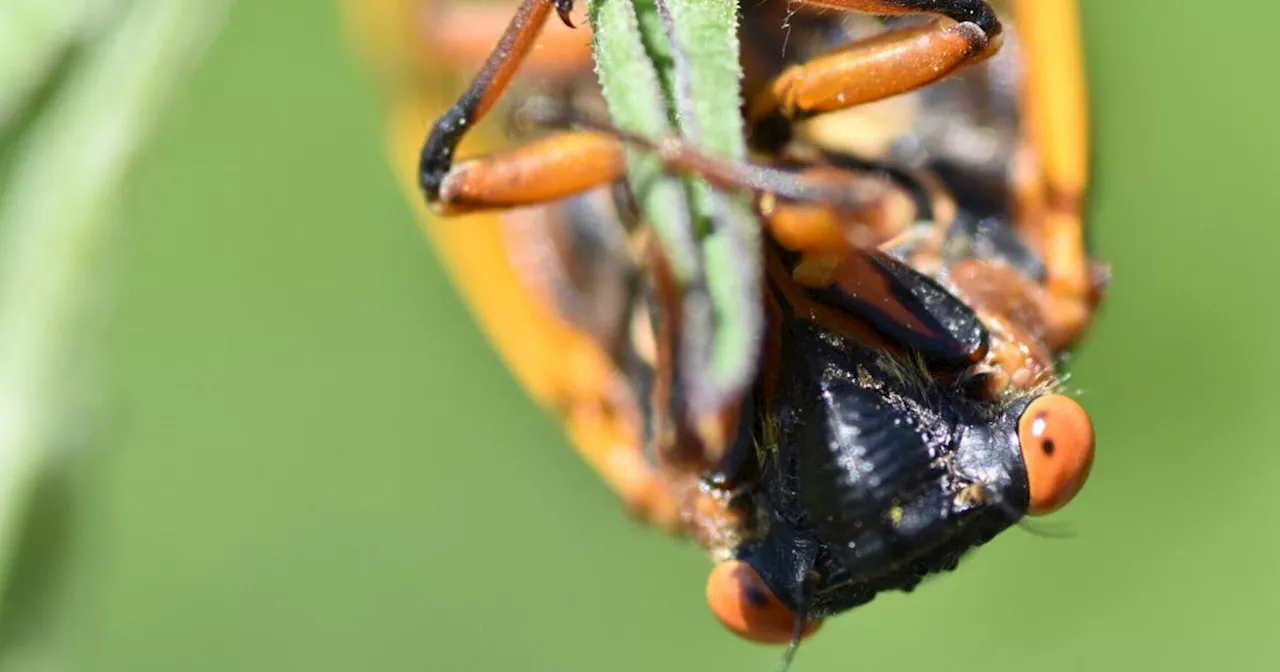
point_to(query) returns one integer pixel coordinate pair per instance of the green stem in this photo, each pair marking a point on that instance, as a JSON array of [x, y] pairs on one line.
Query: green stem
[[671, 67]]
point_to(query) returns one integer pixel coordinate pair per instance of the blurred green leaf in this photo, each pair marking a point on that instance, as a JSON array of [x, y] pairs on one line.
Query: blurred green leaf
[[34, 36], [108, 68]]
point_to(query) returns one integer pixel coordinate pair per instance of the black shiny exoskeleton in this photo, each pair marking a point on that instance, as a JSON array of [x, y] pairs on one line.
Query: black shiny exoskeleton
[[872, 473]]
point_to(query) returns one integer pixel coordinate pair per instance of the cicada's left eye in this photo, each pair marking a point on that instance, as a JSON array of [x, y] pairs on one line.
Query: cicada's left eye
[[741, 601], [1056, 437]]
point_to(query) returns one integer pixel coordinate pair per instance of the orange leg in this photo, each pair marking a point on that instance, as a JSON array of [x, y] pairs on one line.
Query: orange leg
[[821, 208], [1056, 121], [555, 167], [821, 230], [546, 170], [437, 176], [678, 156], [896, 62]]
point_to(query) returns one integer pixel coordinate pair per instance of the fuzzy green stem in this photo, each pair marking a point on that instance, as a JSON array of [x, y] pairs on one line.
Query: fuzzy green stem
[[670, 67]]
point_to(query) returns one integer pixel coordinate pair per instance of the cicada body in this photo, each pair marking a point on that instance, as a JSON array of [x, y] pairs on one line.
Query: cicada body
[[910, 405], [919, 181]]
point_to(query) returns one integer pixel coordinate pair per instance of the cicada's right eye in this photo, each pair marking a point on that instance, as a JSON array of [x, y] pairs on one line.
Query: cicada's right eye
[[1056, 437]]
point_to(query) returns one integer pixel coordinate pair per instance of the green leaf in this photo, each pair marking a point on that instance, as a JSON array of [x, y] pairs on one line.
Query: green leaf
[[102, 91]]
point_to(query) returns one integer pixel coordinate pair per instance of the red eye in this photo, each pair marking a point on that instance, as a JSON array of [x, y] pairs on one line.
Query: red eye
[[1056, 436], [741, 601]]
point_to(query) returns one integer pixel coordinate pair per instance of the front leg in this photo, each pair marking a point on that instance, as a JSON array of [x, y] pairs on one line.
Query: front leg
[[436, 162]]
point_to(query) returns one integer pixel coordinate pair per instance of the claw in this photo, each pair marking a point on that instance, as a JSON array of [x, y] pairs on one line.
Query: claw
[[563, 7]]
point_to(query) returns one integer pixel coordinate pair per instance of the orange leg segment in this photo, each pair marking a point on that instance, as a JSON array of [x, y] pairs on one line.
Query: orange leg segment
[[896, 62], [555, 167]]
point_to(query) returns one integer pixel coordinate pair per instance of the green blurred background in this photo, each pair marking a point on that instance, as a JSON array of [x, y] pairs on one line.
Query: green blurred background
[[312, 461]]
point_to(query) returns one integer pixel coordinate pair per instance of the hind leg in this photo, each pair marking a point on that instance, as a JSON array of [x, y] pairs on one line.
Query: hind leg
[[1053, 173]]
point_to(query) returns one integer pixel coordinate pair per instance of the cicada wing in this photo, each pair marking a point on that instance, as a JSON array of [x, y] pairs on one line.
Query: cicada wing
[[548, 294]]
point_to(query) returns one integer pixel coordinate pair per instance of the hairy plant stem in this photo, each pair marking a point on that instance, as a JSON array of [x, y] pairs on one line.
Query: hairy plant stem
[[670, 68]]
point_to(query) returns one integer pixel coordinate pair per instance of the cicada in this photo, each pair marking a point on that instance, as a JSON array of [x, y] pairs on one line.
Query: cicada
[[919, 176]]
